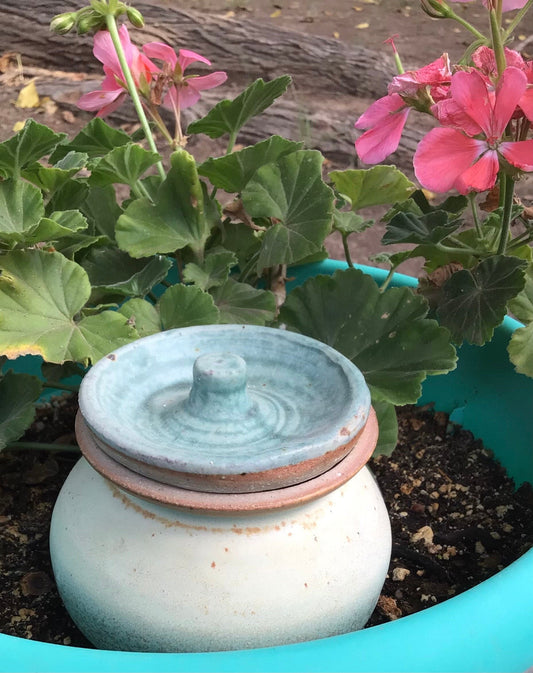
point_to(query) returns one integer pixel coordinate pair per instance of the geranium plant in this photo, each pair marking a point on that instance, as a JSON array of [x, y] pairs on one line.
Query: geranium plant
[[108, 236]]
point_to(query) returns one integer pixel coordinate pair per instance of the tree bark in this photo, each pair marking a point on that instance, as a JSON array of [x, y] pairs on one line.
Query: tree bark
[[332, 82], [245, 49]]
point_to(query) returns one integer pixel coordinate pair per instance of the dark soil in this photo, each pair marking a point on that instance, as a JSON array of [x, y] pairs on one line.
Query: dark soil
[[456, 520]]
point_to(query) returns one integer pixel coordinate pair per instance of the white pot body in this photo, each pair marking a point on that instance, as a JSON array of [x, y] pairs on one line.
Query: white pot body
[[140, 576]]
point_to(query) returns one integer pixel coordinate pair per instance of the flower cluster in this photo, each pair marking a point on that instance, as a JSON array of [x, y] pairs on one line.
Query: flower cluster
[[484, 117], [167, 85]]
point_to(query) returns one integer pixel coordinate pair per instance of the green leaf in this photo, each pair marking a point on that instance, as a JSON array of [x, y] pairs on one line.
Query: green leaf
[[229, 116], [213, 272], [142, 315], [186, 305], [96, 139], [113, 271], [387, 335], [55, 373], [233, 171], [69, 196], [176, 220], [428, 229], [70, 246], [349, 222], [521, 350], [474, 302], [18, 393], [291, 191], [242, 304], [522, 305], [21, 208], [58, 225], [124, 165], [50, 179], [388, 427], [41, 295], [102, 210], [375, 186], [30, 144]]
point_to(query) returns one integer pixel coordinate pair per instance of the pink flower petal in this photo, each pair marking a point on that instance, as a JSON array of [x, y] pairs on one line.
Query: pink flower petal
[[442, 156], [101, 100], [449, 113], [469, 91], [511, 87], [380, 111], [526, 103], [186, 57], [161, 51], [481, 176], [410, 82], [519, 154], [104, 50], [383, 139]]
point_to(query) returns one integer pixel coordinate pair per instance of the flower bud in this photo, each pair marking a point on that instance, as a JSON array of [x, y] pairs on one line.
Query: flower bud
[[89, 21], [135, 17], [436, 9], [63, 23]]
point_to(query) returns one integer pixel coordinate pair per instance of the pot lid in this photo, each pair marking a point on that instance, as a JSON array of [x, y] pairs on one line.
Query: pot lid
[[225, 408]]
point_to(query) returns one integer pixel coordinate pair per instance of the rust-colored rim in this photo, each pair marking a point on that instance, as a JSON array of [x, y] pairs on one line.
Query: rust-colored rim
[[210, 502], [246, 482]]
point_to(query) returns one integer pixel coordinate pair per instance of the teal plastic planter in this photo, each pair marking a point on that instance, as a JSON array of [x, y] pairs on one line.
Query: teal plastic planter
[[488, 628]]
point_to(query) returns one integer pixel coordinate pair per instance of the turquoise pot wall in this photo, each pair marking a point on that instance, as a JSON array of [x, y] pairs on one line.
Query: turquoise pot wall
[[488, 628]]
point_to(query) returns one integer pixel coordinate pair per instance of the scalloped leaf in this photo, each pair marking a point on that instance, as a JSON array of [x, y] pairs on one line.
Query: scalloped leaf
[[41, 295], [474, 302], [520, 350], [113, 271], [123, 165], [388, 427], [387, 335], [142, 315], [522, 305], [21, 209], [290, 190], [18, 393], [96, 139], [177, 219], [31, 143], [349, 222], [427, 229], [240, 303], [58, 225], [233, 171], [101, 209], [186, 305], [213, 272], [374, 186], [229, 116], [51, 178]]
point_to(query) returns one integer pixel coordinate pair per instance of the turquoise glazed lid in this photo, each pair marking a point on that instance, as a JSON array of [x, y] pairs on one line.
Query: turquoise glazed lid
[[225, 408]]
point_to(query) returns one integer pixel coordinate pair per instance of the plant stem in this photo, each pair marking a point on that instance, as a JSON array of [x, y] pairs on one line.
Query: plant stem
[[388, 279], [463, 22], [39, 446], [514, 23], [475, 216], [347, 250], [507, 183], [497, 43], [132, 89]]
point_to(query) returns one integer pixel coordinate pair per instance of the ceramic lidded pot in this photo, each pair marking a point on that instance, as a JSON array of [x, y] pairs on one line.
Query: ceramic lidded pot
[[223, 500]]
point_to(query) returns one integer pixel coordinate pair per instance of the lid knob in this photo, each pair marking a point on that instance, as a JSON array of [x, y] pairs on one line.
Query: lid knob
[[219, 387]]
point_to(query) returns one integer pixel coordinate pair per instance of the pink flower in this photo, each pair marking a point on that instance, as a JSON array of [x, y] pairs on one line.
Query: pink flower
[[113, 88], [507, 5], [184, 90], [448, 158], [386, 118]]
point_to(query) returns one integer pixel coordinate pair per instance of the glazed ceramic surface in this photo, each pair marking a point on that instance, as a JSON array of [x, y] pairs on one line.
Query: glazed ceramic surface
[[223, 501], [224, 400], [140, 576]]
